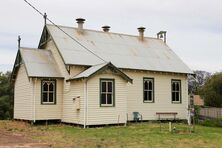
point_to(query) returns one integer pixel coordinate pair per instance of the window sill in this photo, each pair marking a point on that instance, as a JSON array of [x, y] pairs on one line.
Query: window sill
[[105, 105], [44, 103], [176, 102], [148, 101]]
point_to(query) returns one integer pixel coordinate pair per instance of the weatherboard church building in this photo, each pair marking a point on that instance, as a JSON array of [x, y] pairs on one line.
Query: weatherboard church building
[[90, 77]]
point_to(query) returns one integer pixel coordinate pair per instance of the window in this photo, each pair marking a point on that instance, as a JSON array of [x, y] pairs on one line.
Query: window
[[176, 91], [148, 90], [48, 92], [107, 92]]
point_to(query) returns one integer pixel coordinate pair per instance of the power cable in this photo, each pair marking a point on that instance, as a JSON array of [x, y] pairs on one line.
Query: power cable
[[63, 30]]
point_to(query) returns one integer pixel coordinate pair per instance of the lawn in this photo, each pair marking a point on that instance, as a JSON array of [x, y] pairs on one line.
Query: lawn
[[134, 135]]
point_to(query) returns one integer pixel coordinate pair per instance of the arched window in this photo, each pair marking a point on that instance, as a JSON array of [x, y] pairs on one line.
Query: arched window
[[48, 92], [148, 90]]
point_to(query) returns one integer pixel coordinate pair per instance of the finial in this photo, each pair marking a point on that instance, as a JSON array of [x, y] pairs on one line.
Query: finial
[[45, 18], [19, 41]]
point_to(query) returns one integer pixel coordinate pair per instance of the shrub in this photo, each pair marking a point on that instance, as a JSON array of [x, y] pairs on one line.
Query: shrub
[[212, 122]]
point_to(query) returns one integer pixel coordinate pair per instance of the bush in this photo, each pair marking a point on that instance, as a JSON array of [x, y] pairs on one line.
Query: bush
[[6, 97], [212, 122]]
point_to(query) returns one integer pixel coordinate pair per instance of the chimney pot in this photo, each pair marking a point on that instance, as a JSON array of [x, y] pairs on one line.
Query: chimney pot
[[141, 33], [80, 22], [106, 28]]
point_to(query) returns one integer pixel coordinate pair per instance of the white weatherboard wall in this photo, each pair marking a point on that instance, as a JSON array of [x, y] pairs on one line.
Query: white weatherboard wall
[[70, 112], [23, 95], [70, 89], [106, 115], [50, 111], [162, 92]]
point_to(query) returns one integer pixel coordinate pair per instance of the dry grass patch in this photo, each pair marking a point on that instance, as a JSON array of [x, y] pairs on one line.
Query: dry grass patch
[[134, 135]]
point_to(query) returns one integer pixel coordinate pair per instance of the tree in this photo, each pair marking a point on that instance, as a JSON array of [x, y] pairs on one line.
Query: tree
[[6, 96], [197, 81], [212, 91]]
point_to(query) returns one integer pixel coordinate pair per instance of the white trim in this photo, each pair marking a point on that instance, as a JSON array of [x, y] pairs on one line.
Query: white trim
[[49, 82], [85, 103], [148, 90], [176, 91], [106, 104], [34, 108], [107, 92]]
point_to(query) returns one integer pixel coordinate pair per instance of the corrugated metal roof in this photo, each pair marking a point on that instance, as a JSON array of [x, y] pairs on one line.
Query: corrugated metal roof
[[39, 63], [124, 51]]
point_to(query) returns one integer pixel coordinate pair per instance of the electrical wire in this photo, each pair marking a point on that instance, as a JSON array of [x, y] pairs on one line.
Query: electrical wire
[[63, 30]]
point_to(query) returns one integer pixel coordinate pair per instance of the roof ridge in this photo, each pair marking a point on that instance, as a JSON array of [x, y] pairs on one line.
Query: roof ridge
[[146, 37]]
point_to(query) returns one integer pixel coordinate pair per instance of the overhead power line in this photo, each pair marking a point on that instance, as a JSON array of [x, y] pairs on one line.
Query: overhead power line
[[43, 15]]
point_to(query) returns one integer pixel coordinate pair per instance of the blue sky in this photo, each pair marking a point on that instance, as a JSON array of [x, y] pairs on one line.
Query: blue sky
[[194, 28]]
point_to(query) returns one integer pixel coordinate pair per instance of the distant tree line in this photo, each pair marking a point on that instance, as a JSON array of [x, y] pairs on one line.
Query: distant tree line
[[6, 96]]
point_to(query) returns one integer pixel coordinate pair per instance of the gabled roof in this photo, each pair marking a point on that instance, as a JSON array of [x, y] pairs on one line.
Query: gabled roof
[[124, 51], [88, 73], [39, 63]]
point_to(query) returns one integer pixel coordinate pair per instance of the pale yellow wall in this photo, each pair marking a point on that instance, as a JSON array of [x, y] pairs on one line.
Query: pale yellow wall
[[162, 87], [65, 85], [106, 115], [46, 112], [23, 95], [75, 70], [70, 89], [70, 112]]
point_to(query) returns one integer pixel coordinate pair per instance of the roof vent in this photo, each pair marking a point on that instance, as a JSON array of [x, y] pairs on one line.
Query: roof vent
[[162, 35], [106, 28], [141, 33], [80, 22]]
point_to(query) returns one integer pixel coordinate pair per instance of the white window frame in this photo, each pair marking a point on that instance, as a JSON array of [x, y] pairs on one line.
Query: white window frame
[[107, 92], [176, 91], [148, 90], [48, 91]]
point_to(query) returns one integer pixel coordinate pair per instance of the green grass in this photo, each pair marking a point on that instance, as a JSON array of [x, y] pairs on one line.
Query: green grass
[[134, 135]]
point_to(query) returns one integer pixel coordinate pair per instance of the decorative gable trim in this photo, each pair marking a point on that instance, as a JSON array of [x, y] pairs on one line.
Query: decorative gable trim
[[96, 69]]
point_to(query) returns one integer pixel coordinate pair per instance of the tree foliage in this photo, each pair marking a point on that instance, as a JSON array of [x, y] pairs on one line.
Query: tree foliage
[[212, 91], [6, 96], [195, 83]]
